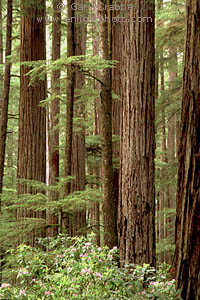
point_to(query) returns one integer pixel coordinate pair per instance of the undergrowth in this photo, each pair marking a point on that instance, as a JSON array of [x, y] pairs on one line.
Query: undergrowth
[[76, 268]]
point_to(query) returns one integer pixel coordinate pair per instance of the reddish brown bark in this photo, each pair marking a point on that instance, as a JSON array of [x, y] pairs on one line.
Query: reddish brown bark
[[108, 207], [53, 138], [137, 143], [187, 258], [1, 59], [5, 102], [32, 117], [6, 91]]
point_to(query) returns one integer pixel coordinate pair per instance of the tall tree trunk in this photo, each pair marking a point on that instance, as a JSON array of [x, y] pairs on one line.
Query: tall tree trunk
[[53, 137], [6, 90], [95, 208], [1, 58], [137, 144], [163, 156], [32, 117], [188, 192], [65, 219], [116, 103], [170, 221], [109, 207], [4, 112], [78, 220], [157, 207]]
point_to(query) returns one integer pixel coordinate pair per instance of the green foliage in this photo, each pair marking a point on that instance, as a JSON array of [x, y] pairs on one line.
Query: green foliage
[[11, 229], [76, 268], [82, 63], [171, 29], [165, 246], [93, 143]]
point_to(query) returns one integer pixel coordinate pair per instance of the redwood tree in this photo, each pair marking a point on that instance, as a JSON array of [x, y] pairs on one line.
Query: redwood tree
[[5, 102], [137, 145], [117, 47], [109, 209], [78, 220], [94, 168], [1, 56], [6, 90], [188, 187], [53, 137], [32, 117], [65, 219]]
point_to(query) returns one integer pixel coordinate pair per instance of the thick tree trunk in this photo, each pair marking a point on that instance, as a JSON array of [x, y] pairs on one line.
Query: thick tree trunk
[[32, 117], [53, 138], [137, 144], [109, 207], [188, 191]]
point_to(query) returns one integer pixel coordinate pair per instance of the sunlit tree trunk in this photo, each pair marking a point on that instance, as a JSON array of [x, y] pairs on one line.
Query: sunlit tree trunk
[[65, 218]]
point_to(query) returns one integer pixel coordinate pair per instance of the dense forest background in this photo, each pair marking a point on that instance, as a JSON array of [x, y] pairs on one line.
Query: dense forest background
[[100, 133]]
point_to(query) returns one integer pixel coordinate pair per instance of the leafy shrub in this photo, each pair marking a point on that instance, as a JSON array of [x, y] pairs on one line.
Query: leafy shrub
[[76, 268]]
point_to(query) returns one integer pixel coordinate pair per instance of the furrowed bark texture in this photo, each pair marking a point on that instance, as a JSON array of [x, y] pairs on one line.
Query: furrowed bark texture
[[187, 259], [137, 195], [32, 117]]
